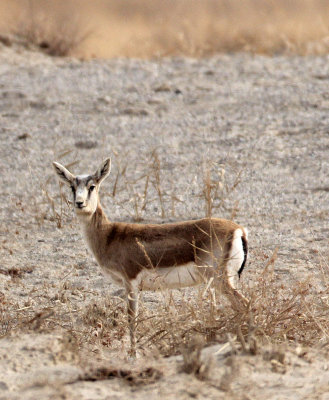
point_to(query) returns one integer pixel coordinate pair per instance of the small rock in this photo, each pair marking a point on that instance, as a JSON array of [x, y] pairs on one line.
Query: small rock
[[3, 386], [86, 144], [135, 111], [24, 136]]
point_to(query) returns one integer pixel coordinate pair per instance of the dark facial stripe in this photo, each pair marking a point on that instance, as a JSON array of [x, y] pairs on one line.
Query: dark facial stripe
[[88, 179], [73, 192]]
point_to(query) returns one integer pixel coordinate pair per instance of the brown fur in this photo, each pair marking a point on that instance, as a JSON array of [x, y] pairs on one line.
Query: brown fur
[[156, 246]]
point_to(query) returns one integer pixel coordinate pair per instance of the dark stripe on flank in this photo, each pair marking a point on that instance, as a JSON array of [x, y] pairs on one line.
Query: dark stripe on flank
[[245, 252], [111, 235]]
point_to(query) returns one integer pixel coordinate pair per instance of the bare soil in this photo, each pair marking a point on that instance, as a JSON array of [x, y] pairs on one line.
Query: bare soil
[[259, 124]]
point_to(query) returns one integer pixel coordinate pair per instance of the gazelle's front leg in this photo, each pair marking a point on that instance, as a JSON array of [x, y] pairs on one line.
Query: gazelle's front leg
[[132, 310]]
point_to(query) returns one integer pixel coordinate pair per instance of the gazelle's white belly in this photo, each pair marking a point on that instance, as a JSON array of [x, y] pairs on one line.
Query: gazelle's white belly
[[174, 277]]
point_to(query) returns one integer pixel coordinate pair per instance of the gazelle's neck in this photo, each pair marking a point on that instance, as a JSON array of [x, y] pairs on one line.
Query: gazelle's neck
[[99, 218], [95, 221], [95, 227]]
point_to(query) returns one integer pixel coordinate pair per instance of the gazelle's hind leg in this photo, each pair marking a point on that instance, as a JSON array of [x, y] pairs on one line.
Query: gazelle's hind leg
[[234, 262], [132, 310]]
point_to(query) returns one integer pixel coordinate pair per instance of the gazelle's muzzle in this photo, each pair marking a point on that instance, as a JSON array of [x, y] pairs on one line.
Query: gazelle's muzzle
[[79, 204]]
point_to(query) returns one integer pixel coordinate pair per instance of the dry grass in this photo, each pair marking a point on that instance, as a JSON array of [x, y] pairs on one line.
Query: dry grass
[[276, 314], [172, 27], [55, 208], [181, 322], [57, 35], [145, 190], [217, 188]]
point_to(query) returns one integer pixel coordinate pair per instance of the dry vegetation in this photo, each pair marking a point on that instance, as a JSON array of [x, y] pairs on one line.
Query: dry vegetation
[[277, 314], [262, 142], [172, 27], [183, 322]]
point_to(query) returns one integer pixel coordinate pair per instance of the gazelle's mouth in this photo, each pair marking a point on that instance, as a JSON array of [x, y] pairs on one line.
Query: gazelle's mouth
[[81, 209]]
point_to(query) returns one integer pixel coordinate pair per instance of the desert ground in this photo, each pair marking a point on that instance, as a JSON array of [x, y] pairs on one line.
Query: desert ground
[[238, 136]]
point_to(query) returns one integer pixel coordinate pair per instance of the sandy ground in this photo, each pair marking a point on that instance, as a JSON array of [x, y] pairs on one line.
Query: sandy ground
[[262, 119]]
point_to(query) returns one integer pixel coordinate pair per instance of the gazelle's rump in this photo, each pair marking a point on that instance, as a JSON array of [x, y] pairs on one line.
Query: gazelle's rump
[[236, 257]]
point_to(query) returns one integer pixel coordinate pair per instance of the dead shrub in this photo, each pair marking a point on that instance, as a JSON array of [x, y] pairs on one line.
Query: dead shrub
[[58, 34], [106, 322], [133, 377], [192, 360], [16, 272]]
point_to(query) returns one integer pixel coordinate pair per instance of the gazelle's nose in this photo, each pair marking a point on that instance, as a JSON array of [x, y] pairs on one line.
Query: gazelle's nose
[[79, 204]]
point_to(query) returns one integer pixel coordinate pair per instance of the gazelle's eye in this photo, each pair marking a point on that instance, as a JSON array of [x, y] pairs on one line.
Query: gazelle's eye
[[92, 187]]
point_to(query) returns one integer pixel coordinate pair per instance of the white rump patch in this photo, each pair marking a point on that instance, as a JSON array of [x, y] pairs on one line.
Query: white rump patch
[[236, 258]]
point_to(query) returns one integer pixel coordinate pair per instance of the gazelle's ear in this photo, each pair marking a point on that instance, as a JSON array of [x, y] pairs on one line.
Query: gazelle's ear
[[102, 171], [63, 173]]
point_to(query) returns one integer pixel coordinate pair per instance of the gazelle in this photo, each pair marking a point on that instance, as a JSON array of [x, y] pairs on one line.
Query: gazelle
[[155, 256]]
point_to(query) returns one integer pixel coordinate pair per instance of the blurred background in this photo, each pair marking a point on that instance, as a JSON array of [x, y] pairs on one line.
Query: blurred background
[[156, 28]]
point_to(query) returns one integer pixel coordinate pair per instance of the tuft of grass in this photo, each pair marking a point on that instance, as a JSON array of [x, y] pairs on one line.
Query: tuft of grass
[[217, 188], [192, 360], [105, 322], [142, 191], [57, 35], [56, 208]]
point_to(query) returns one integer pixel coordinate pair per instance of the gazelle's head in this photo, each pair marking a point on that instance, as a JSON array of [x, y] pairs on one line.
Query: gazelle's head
[[84, 187]]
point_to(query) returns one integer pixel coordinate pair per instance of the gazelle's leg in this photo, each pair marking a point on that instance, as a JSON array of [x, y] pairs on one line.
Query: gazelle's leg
[[236, 298], [132, 310]]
